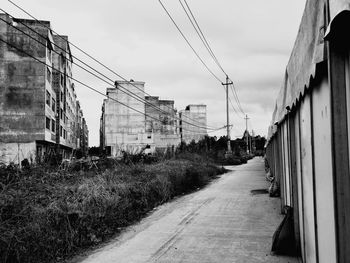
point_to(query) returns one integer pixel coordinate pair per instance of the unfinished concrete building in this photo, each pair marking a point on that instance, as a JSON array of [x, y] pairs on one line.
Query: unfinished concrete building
[[122, 128], [37, 106], [133, 122], [161, 122], [193, 122]]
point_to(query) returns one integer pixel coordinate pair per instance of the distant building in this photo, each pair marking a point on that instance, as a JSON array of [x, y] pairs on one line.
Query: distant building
[[154, 125], [161, 121], [122, 128], [37, 104], [193, 123]]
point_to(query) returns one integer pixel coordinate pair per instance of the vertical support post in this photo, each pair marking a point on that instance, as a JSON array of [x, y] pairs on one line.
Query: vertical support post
[[228, 120], [246, 132], [229, 151]]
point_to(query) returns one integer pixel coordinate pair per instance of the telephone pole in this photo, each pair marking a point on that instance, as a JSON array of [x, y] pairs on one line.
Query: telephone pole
[[246, 131], [229, 151]]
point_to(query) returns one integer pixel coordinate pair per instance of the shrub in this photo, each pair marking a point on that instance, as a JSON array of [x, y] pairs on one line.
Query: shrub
[[47, 215]]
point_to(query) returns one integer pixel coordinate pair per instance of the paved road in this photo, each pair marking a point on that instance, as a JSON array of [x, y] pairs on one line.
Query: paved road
[[222, 223]]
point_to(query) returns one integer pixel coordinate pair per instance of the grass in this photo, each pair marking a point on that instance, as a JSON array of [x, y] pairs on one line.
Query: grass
[[46, 215]]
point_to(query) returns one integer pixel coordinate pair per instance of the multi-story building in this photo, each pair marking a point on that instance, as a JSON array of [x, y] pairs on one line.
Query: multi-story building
[[193, 122], [84, 138], [123, 119], [37, 104], [133, 123], [161, 121], [66, 98]]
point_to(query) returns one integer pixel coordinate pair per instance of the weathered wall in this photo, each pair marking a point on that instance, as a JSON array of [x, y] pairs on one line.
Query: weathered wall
[[12, 152], [22, 86], [122, 125], [193, 123], [160, 115]]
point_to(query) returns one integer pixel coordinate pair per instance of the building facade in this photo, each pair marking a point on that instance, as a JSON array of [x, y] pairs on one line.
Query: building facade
[[193, 122], [161, 122], [134, 123], [37, 103], [122, 128]]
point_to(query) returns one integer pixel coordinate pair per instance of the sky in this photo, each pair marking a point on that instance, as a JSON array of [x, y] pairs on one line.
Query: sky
[[251, 39]]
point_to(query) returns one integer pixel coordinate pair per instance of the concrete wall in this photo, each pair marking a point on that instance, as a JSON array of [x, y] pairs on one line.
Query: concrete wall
[[30, 92], [14, 152], [193, 123], [161, 121], [124, 128], [22, 87]]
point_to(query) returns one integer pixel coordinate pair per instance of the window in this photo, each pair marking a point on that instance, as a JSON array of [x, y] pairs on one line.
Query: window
[[61, 114], [48, 98], [48, 123], [53, 105], [61, 96], [61, 129], [48, 75], [53, 123], [64, 134]]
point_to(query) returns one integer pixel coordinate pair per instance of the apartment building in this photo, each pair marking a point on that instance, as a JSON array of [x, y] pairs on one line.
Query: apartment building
[[145, 123], [162, 121], [37, 104], [123, 120], [193, 122]]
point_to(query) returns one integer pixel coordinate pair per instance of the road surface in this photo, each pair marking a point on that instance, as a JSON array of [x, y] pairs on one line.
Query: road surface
[[223, 222]]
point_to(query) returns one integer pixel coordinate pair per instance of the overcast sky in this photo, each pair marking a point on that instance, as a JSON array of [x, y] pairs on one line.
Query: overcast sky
[[251, 39]]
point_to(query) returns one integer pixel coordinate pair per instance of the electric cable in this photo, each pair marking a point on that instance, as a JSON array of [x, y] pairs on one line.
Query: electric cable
[[188, 43], [200, 34], [84, 52], [124, 90], [80, 82]]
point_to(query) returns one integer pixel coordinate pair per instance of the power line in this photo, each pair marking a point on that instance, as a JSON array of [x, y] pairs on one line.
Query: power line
[[88, 55], [124, 90], [224, 127], [188, 43], [80, 82], [201, 35], [207, 46], [109, 69], [233, 107], [237, 99]]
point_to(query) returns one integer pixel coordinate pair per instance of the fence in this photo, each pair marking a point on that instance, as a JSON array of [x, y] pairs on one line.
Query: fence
[[308, 145]]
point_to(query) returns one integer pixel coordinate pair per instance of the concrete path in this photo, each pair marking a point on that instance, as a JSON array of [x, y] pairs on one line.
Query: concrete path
[[223, 222]]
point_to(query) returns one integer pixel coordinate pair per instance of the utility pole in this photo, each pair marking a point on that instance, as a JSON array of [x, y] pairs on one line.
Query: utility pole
[[229, 151], [246, 131]]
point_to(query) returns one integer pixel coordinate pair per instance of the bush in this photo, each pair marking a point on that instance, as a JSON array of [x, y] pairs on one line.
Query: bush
[[47, 215]]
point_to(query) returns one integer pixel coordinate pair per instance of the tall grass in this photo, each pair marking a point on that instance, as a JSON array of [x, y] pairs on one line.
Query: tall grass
[[47, 215]]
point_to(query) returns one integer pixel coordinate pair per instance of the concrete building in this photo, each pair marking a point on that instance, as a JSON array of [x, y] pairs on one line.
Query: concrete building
[[123, 129], [155, 124], [161, 121], [66, 98], [193, 122], [37, 104]]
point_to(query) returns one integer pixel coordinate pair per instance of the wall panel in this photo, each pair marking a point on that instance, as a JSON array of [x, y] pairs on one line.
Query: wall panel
[[323, 172], [307, 180]]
